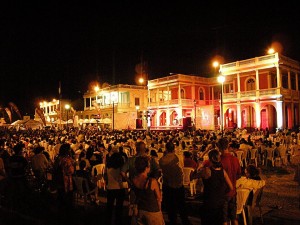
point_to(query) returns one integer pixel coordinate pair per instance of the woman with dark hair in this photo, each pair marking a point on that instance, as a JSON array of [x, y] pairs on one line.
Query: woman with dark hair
[[216, 184], [63, 176], [115, 190], [251, 179], [148, 194]]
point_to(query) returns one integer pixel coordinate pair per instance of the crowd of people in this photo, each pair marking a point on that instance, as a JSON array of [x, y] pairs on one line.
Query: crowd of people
[[149, 163]]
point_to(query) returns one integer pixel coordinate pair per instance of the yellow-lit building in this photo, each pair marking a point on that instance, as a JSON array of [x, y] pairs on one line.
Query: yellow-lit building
[[116, 107]]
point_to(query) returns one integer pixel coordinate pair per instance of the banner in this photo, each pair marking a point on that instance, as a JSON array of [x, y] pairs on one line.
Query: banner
[[8, 113], [15, 108], [41, 115]]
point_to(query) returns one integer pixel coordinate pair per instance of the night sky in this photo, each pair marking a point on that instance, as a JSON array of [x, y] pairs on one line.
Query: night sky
[[43, 42]]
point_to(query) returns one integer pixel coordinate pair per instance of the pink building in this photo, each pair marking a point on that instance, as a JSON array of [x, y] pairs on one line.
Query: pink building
[[261, 92]]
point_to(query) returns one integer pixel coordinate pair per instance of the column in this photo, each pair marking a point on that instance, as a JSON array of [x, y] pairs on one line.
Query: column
[[279, 82], [168, 117], [238, 115], [257, 83], [157, 118], [257, 114], [279, 110], [289, 80], [179, 95], [193, 92]]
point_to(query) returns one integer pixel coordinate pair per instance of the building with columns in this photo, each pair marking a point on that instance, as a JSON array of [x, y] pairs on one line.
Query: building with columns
[[116, 106], [261, 92]]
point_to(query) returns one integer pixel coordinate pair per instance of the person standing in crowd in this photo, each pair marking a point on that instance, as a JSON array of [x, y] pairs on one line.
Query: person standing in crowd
[[39, 163], [63, 176], [189, 161], [148, 194], [216, 184], [17, 171], [115, 190], [4, 153], [173, 189], [231, 165]]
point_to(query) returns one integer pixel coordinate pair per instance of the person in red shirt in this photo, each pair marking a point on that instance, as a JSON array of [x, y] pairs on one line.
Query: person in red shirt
[[188, 161], [231, 165]]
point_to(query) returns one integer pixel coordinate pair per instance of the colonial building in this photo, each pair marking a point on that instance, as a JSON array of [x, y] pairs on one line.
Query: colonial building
[[116, 107], [261, 92]]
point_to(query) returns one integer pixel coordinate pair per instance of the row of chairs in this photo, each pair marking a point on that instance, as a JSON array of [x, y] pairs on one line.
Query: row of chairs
[[268, 157]]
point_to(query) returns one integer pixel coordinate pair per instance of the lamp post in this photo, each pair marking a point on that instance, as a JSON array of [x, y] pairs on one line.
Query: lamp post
[[67, 107], [96, 89], [221, 80], [195, 113], [113, 99]]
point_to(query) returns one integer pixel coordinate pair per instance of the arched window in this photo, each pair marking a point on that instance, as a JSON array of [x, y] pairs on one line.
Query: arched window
[[201, 94], [182, 93], [250, 84]]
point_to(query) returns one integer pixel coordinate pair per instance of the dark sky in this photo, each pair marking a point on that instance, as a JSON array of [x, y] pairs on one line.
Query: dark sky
[[44, 42]]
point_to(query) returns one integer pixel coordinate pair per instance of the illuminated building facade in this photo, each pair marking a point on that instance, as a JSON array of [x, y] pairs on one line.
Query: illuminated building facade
[[115, 106], [261, 92]]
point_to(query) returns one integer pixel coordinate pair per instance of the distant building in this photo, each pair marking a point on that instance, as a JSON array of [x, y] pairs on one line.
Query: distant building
[[117, 106]]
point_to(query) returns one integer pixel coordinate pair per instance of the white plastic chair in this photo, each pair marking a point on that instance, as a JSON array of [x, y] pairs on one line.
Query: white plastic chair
[[253, 156], [270, 156], [98, 170], [187, 182], [256, 203], [242, 197], [239, 155]]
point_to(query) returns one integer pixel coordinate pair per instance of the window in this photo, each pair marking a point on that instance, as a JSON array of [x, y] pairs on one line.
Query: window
[[250, 84], [285, 82], [87, 102], [136, 101], [201, 94], [182, 93], [293, 81]]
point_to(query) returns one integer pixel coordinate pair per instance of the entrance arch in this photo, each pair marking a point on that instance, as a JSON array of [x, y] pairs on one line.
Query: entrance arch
[[174, 118], [248, 117], [163, 119], [268, 117], [230, 118]]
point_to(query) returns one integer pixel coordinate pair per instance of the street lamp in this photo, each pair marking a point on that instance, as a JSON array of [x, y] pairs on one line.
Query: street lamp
[[67, 107], [195, 113], [215, 64], [221, 80], [96, 89], [113, 99]]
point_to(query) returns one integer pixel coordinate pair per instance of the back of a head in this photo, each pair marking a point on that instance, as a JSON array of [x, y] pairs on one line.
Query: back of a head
[[187, 154], [170, 146], [64, 149], [115, 161], [82, 164], [140, 147], [223, 144], [253, 172], [141, 163], [38, 149], [214, 157], [2, 142], [18, 148]]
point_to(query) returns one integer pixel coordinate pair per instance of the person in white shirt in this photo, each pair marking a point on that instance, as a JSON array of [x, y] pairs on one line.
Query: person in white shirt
[[251, 180]]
